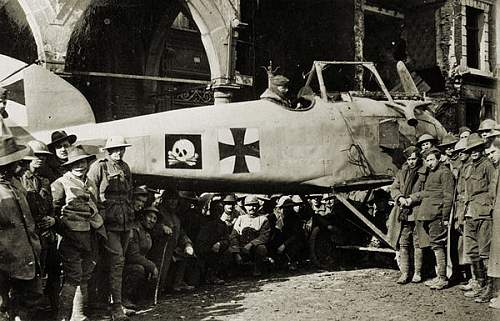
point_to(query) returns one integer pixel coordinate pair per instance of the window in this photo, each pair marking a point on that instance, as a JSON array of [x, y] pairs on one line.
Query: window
[[474, 30]]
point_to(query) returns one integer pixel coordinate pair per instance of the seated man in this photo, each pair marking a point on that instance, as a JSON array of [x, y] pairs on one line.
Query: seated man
[[250, 234], [139, 270], [276, 93]]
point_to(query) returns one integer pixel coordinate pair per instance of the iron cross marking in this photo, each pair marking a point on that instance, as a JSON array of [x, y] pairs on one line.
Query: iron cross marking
[[239, 150]]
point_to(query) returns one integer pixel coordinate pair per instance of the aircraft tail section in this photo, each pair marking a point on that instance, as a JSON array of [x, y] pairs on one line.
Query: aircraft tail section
[[37, 99]]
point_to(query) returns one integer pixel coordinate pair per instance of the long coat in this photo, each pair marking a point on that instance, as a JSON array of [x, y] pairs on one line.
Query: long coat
[[494, 262], [19, 243], [164, 246]]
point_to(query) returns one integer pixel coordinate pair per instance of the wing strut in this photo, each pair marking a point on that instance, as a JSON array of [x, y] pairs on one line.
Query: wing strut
[[363, 218]]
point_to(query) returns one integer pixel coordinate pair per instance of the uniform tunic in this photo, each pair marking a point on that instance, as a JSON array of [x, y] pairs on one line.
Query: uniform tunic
[[19, 243]]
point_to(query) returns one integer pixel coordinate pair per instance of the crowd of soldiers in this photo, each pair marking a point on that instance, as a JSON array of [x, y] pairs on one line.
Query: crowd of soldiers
[[76, 234], [445, 200]]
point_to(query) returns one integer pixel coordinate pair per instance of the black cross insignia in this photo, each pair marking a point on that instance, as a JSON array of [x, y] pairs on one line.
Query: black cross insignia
[[239, 150]]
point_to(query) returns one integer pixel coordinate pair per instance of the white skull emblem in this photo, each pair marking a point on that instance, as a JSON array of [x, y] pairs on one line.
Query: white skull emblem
[[183, 151]]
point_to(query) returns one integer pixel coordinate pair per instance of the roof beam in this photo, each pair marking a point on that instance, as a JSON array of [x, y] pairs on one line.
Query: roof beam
[[383, 11]]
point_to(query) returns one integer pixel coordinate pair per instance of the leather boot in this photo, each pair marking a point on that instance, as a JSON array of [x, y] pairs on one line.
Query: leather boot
[[404, 265], [480, 278], [488, 291], [472, 281], [442, 281], [417, 262], [66, 302]]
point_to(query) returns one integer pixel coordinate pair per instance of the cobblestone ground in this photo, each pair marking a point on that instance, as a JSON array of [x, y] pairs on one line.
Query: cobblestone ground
[[368, 294]]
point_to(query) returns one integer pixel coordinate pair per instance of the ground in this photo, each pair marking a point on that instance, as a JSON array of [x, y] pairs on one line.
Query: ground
[[366, 294]]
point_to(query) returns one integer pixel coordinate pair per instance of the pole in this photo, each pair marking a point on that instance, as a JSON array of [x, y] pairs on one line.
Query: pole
[[157, 288]]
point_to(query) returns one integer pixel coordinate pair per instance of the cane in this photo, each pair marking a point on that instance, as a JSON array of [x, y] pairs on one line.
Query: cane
[[157, 288]]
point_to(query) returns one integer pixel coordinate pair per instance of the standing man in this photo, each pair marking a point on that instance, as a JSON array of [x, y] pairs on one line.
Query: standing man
[[39, 198], [480, 188], [402, 217], [435, 198], [447, 148], [486, 127], [19, 243], [78, 222], [113, 179], [59, 145]]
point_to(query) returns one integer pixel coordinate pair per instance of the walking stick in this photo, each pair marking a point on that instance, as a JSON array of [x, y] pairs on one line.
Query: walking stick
[[157, 288]]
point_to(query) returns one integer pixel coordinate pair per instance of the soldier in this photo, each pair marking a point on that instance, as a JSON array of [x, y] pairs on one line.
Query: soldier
[[140, 197], [139, 271], [426, 142], [78, 220], [402, 217], [432, 215], [494, 259], [486, 127], [40, 200], [212, 240], [448, 157], [59, 145], [19, 243], [276, 93], [113, 179], [250, 235], [459, 210], [464, 132], [229, 213], [480, 189]]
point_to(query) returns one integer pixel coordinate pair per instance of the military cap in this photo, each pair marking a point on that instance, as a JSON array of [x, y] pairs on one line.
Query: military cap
[[474, 141], [151, 209], [279, 80], [449, 140], [486, 125], [410, 150], [297, 199], [140, 190], [463, 129], [327, 197], [229, 198], [425, 138], [251, 200]]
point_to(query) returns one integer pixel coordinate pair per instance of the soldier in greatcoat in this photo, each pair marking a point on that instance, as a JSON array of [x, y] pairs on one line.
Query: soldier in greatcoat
[[432, 215], [402, 218], [19, 242]]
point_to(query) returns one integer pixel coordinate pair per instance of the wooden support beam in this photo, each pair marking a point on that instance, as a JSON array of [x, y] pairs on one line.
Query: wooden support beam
[[364, 248], [128, 76], [363, 219], [383, 11]]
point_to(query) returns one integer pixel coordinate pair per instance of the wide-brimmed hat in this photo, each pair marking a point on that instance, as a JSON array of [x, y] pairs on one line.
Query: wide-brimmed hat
[[425, 138], [10, 151], [486, 125], [38, 147], [460, 145], [474, 141], [263, 198], [30, 155], [296, 199], [285, 201], [251, 200], [229, 198], [115, 142], [449, 140], [77, 153], [493, 133], [59, 136]]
